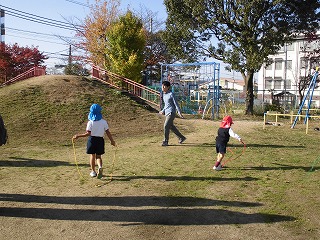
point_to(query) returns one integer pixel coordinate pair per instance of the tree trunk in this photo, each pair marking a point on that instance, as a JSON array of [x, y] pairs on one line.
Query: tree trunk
[[249, 92]]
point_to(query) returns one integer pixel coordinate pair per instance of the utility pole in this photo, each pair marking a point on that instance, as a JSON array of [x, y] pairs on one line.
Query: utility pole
[[70, 57], [2, 28]]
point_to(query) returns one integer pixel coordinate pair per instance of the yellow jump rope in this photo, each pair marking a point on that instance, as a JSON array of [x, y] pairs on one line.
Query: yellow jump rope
[[79, 171]]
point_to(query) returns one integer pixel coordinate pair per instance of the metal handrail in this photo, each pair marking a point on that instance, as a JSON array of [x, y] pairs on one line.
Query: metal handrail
[[145, 93], [32, 72]]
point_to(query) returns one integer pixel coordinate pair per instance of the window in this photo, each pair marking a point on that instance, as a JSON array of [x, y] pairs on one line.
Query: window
[[289, 64], [303, 62], [287, 84], [278, 64], [277, 83], [268, 83]]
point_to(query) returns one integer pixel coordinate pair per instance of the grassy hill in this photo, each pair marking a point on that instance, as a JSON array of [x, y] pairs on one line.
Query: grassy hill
[[50, 109]]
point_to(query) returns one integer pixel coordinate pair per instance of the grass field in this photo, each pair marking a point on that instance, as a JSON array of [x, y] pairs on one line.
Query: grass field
[[270, 191]]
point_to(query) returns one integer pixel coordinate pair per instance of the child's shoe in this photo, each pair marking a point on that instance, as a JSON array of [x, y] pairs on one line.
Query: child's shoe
[[93, 174], [217, 168], [100, 170]]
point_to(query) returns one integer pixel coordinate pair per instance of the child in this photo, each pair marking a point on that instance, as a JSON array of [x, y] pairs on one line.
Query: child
[[96, 127], [224, 133], [169, 110]]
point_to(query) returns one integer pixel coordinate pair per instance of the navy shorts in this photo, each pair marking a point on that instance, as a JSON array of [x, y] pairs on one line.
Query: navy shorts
[[95, 145], [221, 148]]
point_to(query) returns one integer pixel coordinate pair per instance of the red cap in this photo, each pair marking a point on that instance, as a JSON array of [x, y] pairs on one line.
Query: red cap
[[226, 122]]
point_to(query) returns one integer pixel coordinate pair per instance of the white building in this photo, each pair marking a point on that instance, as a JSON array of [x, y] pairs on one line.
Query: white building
[[283, 75]]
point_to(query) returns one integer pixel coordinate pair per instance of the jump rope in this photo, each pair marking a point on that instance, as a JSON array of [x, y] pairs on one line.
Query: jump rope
[[314, 163], [317, 160], [80, 173], [234, 156]]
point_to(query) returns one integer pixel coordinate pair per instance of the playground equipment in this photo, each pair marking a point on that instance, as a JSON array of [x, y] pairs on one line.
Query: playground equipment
[[196, 85], [308, 96]]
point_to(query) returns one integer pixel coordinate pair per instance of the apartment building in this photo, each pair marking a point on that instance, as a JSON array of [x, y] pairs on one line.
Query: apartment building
[[279, 81]]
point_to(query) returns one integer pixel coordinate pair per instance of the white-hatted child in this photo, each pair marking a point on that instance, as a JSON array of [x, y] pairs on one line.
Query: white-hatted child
[[95, 130]]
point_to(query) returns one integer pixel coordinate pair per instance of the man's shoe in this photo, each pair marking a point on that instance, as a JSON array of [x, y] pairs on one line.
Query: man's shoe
[[164, 144], [181, 140]]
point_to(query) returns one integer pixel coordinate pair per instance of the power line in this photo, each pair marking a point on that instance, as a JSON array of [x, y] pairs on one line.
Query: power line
[[37, 39], [78, 3], [38, 19], [58, 51], [30, 14], [38, 33]]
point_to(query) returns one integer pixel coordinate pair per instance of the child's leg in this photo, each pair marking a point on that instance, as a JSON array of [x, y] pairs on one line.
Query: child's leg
[[99, 160], [93, 162], [220, 156]]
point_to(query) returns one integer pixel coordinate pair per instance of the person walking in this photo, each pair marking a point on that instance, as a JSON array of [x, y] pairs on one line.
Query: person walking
[[169, 110]]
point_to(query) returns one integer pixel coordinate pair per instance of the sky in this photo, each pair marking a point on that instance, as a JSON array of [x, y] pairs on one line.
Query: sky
[[31, 33], [22, 27]]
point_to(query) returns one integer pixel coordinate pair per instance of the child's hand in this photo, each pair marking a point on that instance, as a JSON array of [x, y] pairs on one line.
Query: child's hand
[[241, 141], [161, 112], [75, 137]]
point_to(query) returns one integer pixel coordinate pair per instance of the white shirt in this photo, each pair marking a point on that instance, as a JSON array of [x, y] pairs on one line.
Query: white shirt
[[97, 128], [234, 135]]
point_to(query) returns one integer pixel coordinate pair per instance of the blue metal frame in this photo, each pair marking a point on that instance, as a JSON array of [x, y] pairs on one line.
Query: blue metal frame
[[215, 79], [308, 94]]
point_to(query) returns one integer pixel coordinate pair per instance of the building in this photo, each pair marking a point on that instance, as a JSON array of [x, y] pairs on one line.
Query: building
[[282, 77]]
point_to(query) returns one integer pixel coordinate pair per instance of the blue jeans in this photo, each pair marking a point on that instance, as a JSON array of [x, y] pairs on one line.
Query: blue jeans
[[168, 125]]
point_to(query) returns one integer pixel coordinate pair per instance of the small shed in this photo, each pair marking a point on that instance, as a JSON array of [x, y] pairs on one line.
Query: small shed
[[284, 99]]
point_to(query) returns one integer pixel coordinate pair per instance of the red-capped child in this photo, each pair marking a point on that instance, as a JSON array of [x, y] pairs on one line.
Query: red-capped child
[[224, 134]]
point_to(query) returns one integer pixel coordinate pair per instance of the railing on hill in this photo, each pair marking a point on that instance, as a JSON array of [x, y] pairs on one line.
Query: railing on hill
[[33, 72], [147, 94]]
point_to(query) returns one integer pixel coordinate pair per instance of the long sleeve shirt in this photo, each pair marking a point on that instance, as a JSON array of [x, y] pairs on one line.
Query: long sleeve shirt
[[170, 104]]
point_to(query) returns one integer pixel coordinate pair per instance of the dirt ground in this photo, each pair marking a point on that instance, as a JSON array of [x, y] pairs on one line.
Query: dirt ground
[[44, 196], [54, 204]]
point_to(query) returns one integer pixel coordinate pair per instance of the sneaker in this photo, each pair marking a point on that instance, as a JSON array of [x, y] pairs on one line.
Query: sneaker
[[100, 170], [164, 144], [93, 174], [217, 168], [181, 140]]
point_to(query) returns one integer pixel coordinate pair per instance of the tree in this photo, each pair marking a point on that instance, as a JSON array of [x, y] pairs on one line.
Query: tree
[[4, 62], [96, 25], [240, 33], [15, 60], [126, 43], [156, 50], [76, 69], [155, 53]]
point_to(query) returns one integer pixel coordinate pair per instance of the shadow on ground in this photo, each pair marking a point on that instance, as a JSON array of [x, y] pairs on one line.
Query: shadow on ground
[[130, 210]]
